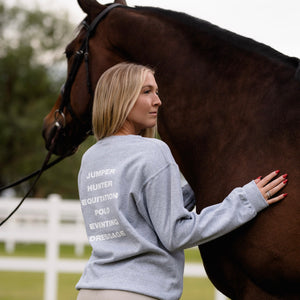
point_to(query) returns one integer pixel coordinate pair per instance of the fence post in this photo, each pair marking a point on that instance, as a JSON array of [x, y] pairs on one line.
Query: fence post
[[10, 243], [79, 246], [52, 248]]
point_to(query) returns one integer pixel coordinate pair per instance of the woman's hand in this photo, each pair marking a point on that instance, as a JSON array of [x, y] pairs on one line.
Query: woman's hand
[[269, 187]]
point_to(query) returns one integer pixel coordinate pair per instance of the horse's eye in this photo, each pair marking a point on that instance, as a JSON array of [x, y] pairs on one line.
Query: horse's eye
[[68, 53]]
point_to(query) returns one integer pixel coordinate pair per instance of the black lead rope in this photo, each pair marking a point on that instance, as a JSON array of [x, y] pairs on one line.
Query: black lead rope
[[48, 166]]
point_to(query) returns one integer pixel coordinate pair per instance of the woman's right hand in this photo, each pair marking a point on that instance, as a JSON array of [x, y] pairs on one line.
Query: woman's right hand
[[269, 186]]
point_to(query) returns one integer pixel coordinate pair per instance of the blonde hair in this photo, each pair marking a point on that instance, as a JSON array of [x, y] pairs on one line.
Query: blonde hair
[[115, 95]]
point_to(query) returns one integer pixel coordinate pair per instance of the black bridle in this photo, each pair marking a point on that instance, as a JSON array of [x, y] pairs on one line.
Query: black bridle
[[60, 121], [80, 55]]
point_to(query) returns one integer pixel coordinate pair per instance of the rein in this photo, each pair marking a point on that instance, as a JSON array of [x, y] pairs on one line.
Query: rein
[[59, 115], [48, 166]]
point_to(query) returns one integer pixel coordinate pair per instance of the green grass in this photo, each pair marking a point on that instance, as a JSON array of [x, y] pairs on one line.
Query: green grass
[[18, 285], [29, 286], [192, 255], [67, 251], [197, 289], [39, 250], [28, 250], [66, 286]]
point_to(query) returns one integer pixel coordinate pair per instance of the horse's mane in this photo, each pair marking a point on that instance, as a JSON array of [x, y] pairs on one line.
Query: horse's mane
[[194, 25]]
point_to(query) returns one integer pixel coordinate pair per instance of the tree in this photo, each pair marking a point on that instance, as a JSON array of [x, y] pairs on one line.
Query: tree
[[31, 64]]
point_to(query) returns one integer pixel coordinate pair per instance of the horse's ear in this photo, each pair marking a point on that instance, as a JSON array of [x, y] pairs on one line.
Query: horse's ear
[[89, 6], [123, 2]]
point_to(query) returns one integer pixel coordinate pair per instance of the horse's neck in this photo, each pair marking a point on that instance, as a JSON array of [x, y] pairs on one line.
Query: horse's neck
[[148, 39], [211, 90]]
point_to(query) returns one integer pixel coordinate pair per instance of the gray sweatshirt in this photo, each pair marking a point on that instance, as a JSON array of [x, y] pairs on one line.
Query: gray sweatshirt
[[137, 220]]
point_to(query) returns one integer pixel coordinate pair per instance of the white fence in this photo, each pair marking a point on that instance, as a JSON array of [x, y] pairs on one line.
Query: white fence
[[52, 222]]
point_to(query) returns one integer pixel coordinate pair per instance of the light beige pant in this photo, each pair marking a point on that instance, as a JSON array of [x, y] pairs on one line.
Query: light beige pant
[[85, 294]]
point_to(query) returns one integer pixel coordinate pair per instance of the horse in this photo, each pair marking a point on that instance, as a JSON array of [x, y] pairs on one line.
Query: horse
[[230, 113]]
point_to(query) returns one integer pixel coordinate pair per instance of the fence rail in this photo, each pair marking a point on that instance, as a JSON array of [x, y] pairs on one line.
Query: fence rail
[[52, 222]]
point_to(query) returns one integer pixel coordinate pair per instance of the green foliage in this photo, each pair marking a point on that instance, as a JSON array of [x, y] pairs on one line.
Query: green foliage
[[31, 63]]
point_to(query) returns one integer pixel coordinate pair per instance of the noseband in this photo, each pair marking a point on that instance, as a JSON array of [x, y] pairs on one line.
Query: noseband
[[80, 55]]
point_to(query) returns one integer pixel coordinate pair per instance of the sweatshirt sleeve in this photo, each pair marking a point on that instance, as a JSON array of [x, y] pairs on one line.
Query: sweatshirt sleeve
[[177, 228], [188, 197]]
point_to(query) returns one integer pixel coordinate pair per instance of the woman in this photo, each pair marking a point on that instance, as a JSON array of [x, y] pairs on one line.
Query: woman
[[137, 217]]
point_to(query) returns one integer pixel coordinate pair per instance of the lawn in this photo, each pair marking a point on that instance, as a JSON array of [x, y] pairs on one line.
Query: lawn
[[29, 286]]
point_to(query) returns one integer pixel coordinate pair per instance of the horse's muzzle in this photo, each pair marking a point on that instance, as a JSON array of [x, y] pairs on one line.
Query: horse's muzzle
[[59, 143]]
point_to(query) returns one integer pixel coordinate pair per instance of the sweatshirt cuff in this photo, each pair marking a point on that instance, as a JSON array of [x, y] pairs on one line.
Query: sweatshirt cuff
[[255, 197]]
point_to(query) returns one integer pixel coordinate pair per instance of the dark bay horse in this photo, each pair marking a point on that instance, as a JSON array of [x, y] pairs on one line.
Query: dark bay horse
[[230, 113]]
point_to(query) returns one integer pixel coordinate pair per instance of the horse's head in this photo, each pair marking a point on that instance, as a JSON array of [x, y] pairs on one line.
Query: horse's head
[[87, 60]]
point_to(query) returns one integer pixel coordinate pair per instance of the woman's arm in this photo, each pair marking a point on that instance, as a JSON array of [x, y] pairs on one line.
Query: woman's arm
[[178, 229], [188, 197]]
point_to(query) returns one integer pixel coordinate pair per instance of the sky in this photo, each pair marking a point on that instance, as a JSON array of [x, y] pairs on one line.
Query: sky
[[272, 22]]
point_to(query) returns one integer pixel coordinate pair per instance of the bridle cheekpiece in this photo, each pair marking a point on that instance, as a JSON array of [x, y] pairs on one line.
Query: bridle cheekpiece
[[80, 55]]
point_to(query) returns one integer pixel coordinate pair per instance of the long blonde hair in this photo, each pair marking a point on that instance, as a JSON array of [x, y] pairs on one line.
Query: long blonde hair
[[115, 95]]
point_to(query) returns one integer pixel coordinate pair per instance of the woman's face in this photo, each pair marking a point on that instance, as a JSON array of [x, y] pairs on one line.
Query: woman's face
[[144, 113]]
